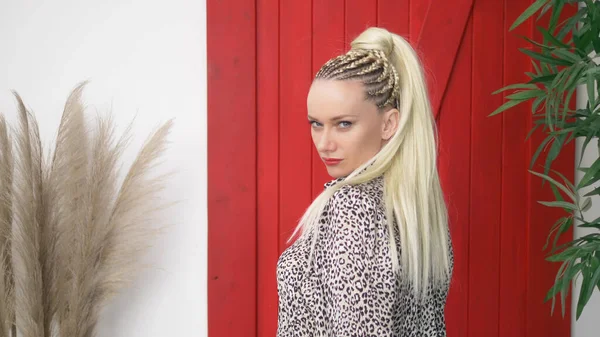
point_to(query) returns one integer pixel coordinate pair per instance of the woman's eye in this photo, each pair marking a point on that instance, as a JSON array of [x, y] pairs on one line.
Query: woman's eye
[[314, 123], [345, 124]]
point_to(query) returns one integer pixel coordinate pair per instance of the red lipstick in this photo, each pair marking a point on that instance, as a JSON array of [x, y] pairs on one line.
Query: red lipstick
[[331, 161]]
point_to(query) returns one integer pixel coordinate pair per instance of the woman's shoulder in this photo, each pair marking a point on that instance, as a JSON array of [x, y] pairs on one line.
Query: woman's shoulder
[[367, 196]]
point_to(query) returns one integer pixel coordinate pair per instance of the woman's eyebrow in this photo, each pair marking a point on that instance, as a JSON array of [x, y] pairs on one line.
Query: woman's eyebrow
[[334, 118]]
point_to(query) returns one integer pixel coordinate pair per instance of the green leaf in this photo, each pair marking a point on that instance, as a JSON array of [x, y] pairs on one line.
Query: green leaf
[[588, 138], [567, 181], [551, 38], [555, 149], [539, 150], [563, 228], [526, 94], [558, 282], [535, 66], [563, 188], [536, 103], [553, 229], [591, 90], [562, 204], [528, 13], [531, 131], [538, 44], [587, 203], [543, 79], [566, 55], [506, 106], [547, 59], [590, 175], [570, 23], [587, 287], [596, 191], [556, 10], [570, 274], [516, 86], [564, 255], [566, 104]]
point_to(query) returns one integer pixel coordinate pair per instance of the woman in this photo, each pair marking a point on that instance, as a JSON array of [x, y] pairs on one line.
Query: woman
[[371, 123]]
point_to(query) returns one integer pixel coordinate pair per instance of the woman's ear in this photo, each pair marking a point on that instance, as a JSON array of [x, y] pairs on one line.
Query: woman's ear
[[390, 123]]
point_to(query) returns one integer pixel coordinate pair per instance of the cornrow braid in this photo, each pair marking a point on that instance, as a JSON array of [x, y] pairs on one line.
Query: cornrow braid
[[372, 68]]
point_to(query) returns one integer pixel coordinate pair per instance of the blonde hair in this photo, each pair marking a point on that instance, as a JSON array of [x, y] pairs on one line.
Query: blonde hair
[[392, 75]]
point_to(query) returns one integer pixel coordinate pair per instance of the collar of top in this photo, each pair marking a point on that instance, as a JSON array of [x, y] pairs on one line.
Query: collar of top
[[335, 181]]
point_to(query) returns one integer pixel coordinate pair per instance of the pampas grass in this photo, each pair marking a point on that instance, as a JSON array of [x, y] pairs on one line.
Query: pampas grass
[[70, 236]]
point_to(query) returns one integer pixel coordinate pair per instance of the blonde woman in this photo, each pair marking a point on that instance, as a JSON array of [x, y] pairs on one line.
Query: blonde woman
[[373, 256]]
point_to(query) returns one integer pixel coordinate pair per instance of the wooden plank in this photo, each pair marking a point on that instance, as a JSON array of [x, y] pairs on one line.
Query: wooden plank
[[393, 15], [454, 158], [360, 15], [486, 174], [295, 142], [438, 51], [541, 272], [231, 168], [513, 234], [267, 45], [328, 42]]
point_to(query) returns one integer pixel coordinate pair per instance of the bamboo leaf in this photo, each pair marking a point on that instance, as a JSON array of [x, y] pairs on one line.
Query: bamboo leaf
[[586, 204], [567, 181], [536, 103], [590, 81], [590, 175], [551, 38], [516, 86], [556, 10], [543, 79], [505, 107], [539, 150], [557, 184], [544, 58], [526, 94], [566, 55], [562, 204], [528, 13]]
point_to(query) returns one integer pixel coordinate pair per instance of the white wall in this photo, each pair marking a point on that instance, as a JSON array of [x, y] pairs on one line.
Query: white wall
[[587, 325], [142, 57]]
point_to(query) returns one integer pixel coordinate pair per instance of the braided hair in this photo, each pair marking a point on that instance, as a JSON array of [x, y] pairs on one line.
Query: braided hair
[[372, 68]]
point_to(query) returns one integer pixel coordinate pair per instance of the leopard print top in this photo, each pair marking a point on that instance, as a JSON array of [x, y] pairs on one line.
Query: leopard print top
[[350, 289]]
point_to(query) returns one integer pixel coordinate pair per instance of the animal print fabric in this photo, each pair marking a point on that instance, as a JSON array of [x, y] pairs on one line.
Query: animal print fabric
[[350, 289]]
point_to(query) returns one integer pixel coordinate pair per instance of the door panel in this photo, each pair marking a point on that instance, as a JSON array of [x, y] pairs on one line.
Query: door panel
[[264, 171]]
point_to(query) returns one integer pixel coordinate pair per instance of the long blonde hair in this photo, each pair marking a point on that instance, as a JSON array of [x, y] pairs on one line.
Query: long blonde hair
[[393, 77]]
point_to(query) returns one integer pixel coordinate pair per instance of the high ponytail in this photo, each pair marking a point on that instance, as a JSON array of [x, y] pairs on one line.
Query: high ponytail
[[393, 77]]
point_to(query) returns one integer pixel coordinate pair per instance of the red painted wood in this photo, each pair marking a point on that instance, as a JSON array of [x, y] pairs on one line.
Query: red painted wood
[[418, 11], [328, 42], [295, 77], [231, 146], [438, 51], [513, 233], [359, 14], [486, 169], [263, 170], [393, 15], [454, 168], [267, 42], [542, 273]]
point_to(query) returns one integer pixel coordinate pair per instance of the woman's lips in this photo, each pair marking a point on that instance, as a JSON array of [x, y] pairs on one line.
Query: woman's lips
[[331, 161]]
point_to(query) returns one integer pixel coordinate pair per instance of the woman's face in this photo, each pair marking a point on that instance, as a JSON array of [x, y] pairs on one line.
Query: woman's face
[[347, 130]]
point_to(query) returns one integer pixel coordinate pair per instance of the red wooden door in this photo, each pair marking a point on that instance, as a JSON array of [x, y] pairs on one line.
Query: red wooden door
[[263, 171]]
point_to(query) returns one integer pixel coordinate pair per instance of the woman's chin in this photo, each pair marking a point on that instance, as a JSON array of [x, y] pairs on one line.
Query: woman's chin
[[336, 172]]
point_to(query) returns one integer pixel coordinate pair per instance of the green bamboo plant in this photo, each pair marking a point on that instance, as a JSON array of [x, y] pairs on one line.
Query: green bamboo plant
[[562, 62], [70, 234]]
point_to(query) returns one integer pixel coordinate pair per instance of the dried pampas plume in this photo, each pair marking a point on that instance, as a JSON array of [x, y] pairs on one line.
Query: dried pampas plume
[[70, 236]]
